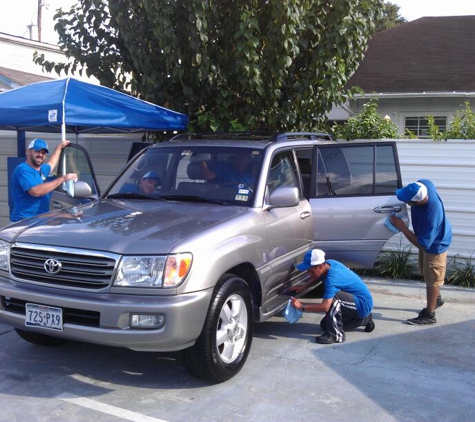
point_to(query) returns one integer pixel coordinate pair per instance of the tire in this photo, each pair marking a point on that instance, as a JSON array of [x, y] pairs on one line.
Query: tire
[[39, 339], [225, 341]]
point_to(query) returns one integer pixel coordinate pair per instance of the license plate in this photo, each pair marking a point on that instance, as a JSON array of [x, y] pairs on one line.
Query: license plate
[[44, 316]]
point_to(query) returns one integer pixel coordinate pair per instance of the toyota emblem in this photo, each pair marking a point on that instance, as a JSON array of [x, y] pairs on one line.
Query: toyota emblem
[[52, 266]]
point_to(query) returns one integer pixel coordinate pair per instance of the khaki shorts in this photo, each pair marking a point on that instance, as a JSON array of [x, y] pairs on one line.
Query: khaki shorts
[[432, 267]]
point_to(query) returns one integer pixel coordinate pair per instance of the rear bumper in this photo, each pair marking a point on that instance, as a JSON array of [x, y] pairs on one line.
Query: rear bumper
[[184, 316]]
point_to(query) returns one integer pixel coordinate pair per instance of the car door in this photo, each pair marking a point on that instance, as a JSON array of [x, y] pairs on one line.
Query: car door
[[351, 193], [288, 231], [74, 159]]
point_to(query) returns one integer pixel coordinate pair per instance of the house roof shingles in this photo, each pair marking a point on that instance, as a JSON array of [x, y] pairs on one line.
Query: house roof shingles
[[21, 78], [431, 54]]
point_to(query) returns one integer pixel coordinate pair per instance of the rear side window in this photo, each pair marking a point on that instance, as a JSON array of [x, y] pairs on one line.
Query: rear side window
[[356, 170]]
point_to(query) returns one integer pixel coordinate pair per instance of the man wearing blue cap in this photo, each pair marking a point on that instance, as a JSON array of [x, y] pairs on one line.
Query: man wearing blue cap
[[432, 236], [30, 190], [347, 301], [149, 182]]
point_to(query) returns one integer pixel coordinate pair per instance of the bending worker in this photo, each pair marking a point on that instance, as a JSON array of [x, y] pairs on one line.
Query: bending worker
[[347, 301]]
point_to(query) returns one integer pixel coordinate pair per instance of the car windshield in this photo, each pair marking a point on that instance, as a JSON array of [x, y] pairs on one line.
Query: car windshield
[[223, 175]]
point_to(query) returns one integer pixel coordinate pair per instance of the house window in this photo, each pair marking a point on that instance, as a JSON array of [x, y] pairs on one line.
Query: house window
[[419, 126]]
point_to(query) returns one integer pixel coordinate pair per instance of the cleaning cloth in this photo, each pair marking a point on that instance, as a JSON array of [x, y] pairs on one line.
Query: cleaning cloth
[[69, 187], [292, 314], [390, 225]]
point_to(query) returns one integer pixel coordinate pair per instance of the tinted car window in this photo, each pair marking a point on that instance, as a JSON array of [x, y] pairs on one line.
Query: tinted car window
[[356, 170], [226, 174]]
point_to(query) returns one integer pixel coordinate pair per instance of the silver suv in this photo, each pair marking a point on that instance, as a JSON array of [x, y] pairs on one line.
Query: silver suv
[[209, 248]]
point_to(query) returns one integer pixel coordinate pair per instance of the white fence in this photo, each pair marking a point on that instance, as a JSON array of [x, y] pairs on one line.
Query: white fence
[[450, 165]]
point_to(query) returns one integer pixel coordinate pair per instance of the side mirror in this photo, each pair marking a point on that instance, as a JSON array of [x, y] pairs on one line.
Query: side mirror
[[283, 197], [82, 190]]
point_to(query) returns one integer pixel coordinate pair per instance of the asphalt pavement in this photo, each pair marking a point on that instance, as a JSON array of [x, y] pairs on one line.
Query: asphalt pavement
[[398, 372]]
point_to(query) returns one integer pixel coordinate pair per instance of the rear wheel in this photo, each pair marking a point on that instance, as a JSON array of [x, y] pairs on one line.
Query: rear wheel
[[225, 341], [39, 339]]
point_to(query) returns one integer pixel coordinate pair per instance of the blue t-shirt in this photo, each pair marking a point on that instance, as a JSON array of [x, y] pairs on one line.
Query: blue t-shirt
[[433, 230], [23, 179], [227, 173], [342, 278]]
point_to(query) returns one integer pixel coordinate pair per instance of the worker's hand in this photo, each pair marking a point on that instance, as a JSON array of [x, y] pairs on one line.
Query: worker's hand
[[295, 289], [70, 176], [64, 144], [296, 303], [397, 222]]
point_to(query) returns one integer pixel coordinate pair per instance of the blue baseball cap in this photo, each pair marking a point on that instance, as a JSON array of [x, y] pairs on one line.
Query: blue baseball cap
[[38, 145], [151, 175], [413, 192], [312, 258]]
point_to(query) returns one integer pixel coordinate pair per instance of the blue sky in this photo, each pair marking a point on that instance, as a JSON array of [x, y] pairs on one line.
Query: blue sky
[[415, 9]]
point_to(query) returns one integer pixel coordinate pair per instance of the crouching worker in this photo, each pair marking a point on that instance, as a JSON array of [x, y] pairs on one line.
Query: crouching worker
[[347, 301]]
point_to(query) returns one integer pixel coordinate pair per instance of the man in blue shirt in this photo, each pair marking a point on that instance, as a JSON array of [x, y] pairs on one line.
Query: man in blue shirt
[[432, 236], [30, 190], [237, 173], [347, 301]]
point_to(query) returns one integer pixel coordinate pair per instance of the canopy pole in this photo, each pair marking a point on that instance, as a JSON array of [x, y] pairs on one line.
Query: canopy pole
[[20, 143], [63, 121]]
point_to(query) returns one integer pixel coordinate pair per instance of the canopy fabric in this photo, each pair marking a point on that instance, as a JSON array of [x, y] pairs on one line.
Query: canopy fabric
[[70, 105]]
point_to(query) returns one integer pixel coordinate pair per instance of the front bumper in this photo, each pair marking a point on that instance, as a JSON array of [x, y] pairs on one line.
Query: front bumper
[[184, 316]]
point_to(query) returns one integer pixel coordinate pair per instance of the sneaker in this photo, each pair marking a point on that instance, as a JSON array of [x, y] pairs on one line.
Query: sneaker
[[424, 318], [439, 302], [326, 339], [370, 324]]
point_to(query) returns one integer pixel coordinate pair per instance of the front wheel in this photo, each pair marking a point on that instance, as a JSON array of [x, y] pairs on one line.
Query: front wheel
[[225, 341]]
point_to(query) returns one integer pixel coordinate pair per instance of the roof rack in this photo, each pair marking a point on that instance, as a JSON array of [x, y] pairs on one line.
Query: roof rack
[[304, 135], [255, 135]]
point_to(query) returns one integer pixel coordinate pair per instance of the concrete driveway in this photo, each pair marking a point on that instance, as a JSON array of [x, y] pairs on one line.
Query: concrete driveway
[[396, 373]]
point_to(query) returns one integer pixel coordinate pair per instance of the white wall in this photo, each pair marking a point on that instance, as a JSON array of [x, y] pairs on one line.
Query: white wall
[[16, 53]]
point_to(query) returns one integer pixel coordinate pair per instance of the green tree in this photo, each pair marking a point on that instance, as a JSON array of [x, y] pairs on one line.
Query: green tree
[[390, 17], [248, 64], [367, 125]]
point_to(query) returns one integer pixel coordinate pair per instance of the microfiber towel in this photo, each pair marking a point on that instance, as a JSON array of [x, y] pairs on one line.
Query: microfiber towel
[[390, 225], [292, 314], [69, 186]]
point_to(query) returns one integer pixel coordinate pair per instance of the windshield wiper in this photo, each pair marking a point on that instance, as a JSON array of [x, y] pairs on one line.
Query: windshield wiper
[[194, 198], [131, 195]]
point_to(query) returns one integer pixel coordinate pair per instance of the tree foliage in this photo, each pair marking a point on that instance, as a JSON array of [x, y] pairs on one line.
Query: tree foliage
[[390, 17], [248, 64]]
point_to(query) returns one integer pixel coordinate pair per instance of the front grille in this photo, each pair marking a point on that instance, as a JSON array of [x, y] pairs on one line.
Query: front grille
[[80, 270], [70, 315]]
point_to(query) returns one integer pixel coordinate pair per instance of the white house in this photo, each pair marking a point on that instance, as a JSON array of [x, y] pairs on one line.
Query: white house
[[420, 68]]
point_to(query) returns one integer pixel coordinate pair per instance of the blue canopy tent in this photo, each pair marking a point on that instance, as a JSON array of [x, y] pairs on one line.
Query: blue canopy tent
[[72, 106]]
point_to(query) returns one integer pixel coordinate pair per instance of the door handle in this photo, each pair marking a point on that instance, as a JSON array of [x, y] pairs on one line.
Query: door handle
[[388, 209], [304, 215], [57, 205]]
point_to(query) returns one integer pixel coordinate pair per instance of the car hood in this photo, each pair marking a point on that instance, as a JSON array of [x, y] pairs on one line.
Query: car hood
[[118, 226]]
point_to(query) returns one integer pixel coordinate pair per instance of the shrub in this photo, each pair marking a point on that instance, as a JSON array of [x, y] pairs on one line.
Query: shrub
[[461, 272], [463, 125], [367, 125], [399, 263]]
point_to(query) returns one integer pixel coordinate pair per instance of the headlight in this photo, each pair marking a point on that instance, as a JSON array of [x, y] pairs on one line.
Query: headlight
[[153, 271], [4, 254]]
